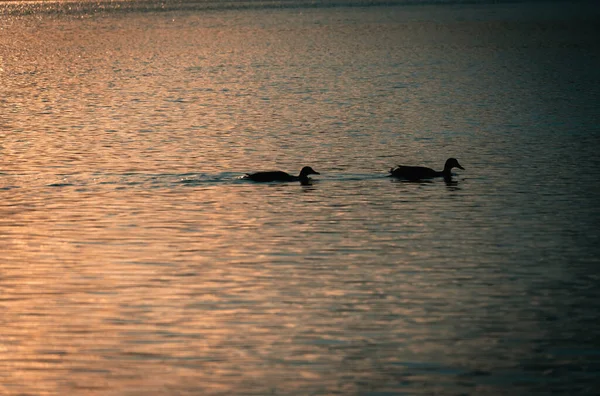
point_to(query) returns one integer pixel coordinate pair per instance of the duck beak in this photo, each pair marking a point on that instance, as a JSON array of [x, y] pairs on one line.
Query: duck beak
[[459, 167], [316, 173]]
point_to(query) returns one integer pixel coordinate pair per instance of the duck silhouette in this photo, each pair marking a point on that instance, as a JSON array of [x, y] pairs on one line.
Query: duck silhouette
[[271, 176], [416, 173]]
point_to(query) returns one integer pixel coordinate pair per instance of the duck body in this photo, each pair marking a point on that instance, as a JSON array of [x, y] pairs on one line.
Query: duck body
[[416, 173], [270, 176], [280, 176]]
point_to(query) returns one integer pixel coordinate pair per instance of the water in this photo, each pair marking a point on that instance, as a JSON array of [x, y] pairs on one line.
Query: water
[[134, 261]]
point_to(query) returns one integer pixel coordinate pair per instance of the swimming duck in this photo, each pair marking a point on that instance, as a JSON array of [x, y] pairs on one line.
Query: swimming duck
[[414, 173], [271, 176]]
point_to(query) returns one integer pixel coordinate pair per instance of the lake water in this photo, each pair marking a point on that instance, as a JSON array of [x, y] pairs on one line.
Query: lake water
[[135, 261]]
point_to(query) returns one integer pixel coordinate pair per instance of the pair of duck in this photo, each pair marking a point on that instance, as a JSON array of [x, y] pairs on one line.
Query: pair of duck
[[410, 173]]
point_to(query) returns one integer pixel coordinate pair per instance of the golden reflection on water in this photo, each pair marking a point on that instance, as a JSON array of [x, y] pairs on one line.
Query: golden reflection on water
[[134, 261], [112, 287]]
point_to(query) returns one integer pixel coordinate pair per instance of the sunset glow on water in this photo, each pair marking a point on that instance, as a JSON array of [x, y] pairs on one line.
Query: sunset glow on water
[[135, 260]]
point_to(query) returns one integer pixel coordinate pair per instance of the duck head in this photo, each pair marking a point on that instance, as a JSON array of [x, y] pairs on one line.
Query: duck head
[[307, 170], [452, 163]]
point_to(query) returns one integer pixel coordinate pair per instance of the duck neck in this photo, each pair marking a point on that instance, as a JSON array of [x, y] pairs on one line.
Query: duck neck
[[447, 172]]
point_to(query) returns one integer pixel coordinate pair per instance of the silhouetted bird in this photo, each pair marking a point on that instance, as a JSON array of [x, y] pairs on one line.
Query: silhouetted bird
[[271, 176], [415, 173]]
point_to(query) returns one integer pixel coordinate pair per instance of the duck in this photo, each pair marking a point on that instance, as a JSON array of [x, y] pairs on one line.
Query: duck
[[271, 176], [415, 173]]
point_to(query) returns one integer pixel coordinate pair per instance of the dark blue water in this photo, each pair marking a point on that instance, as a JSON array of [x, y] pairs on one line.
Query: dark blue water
[[134, 260]]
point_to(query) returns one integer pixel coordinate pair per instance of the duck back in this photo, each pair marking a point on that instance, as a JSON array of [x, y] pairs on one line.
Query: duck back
[[414, 172], [270, 176]]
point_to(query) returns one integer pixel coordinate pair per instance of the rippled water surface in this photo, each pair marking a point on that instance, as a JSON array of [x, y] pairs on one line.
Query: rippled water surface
[[135, 261]]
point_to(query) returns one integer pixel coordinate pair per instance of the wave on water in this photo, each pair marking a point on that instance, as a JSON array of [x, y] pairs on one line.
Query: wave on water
[[149, 181], [23, 7]]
